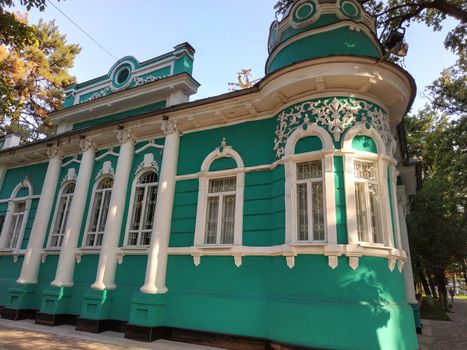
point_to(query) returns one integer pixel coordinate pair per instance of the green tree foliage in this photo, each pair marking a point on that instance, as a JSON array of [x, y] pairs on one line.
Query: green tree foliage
[[33, 74], [438, 223]]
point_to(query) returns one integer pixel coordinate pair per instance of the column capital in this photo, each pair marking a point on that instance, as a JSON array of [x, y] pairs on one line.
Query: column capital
[[169, 127], [54, 151], [85, 144], [124, 135]]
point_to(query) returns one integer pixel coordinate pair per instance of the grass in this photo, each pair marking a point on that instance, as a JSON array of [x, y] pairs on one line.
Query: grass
[[460, 297], [433, 312]]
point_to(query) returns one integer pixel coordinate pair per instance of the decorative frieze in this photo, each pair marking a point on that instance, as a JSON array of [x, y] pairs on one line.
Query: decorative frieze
[[334, 114]]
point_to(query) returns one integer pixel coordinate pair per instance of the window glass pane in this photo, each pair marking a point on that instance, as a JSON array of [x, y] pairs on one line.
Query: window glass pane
[[150, 207], [70, 188], [146, 238], [137, 208], [318, 211], [99, 238], [228, 219], [133, 238], [374, 214], [90, 239], [106, 183], [362, 225], [20, 207], [95, 212], [222, 185], [148, 177], [104, 210], [211, 219], [302, 212], [309, 170]]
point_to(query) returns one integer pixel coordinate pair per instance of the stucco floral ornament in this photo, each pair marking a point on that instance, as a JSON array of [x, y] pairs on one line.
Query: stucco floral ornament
[[334, 114]]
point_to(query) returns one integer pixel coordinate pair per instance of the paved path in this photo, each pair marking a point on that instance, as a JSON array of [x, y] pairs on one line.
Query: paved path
[[25, 335], [445, 335]]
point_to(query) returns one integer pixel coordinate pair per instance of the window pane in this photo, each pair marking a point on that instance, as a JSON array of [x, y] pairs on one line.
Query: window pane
[[104, 210], [222, 185], [374, 214], [90, 239], [302, 212], [70, 188], [60, 215], [133, 238], [137, 208], [228, 219], [211, 220], [95, 212], [146, 238], [309, 170], [148, 177], [150, 207], [318, 211], [106, 183], [362, 225]]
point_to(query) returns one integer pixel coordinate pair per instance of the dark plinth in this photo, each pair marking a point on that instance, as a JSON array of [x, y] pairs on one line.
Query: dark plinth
[[17, 314], [146, 334], [55, 320], [98, 326]]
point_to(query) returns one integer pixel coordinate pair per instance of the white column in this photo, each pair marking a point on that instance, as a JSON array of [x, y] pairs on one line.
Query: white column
[[408, 272], [105, 277], [66, 261], [32, 257], [156, 267]]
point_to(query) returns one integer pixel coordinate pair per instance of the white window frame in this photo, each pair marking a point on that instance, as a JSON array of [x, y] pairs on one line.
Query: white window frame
[[223, 151], [10, 214], [382, 160], [291, 160], [131, 207], [57, 207], [100, 212]]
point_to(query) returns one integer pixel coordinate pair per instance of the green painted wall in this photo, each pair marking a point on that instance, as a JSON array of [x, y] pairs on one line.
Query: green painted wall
[[341, 218], [9, 272], [341, 41], [308, 144], [364, 143], [14, 176]]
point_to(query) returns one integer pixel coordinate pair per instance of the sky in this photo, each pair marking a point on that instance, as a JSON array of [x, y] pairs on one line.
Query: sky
[[228, 35]]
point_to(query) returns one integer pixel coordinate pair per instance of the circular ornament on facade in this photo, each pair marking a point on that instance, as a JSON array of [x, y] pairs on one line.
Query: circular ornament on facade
[[121, 76], [350, 9], [274, 35], [304, 13]]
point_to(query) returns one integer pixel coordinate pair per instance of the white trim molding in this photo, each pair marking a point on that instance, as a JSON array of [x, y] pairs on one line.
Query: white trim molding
[[223, 151]]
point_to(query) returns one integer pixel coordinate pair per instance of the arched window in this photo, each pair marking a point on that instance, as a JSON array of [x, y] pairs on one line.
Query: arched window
[[17, 215], [366, 187], [309, 186], [61, 215], [220, 199], [100, 209], [143, 207]]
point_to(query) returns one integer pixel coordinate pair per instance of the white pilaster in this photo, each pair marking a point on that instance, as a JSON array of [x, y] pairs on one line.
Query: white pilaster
[[32, 257], [408, 272], [156, 268], [105, 276], [66, 261]]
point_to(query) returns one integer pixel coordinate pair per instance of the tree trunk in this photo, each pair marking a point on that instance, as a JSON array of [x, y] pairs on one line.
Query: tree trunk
[[422, 277], [464, 270], [443, 293], [433, 286]]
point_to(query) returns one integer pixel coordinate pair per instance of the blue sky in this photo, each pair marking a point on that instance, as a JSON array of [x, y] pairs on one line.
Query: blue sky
[[228, 35]]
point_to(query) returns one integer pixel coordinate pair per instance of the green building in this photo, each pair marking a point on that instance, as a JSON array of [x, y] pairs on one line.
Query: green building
[[266, 217]]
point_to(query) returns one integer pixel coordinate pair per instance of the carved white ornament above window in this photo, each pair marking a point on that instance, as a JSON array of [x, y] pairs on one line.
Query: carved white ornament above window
[[106, 169], [70, 176], [148, 162], [336, 116]]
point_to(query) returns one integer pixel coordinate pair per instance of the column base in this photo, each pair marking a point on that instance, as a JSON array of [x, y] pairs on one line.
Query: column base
[[98, 326], [147, 316], [54, 305], [20, 303], [95, 312], [416, 315]]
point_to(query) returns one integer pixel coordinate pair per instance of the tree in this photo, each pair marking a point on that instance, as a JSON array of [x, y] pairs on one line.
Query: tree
[[32, 79]]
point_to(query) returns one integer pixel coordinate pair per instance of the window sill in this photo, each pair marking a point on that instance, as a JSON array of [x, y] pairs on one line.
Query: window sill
[[214, 246], [307, 243], [52, 251], [130, 248], [89, 250]]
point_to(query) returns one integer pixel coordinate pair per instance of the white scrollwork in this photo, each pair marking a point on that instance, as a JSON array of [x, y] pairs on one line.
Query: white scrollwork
[[101, 93], [336, 115], [148, 162], [148, 79], [106, 169]]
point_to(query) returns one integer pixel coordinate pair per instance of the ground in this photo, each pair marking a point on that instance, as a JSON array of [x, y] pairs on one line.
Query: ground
[[22, 335], [447, 335]]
